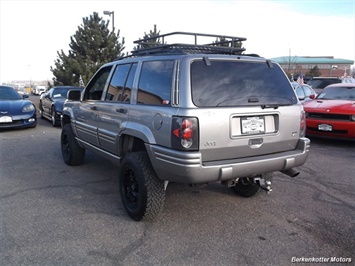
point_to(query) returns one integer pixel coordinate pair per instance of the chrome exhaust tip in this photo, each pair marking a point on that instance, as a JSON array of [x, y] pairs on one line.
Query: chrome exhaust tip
[[291, 172]]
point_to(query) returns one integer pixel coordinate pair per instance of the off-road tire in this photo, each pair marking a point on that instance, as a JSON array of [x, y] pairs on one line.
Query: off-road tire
[[72, 153], [246, 187], [142, 192]]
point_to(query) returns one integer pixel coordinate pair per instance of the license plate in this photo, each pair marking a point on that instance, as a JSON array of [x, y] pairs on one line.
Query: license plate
[[325, 127], [5, 119], [253, 125]]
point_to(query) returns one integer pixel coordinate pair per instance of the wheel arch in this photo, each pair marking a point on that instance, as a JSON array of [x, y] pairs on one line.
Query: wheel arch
[[130, 143]]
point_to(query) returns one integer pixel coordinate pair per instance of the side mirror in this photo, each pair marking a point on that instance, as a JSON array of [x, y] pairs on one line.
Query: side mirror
[[312, 96], [25, 96], [74, 95]]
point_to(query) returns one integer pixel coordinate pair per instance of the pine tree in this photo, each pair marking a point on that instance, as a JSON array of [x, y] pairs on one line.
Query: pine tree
[[92, 45], [229, 43], [151, 42], [314, 72]]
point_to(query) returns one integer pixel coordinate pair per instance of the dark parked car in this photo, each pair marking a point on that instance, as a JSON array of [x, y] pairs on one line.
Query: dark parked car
[[319, 83], [51, 103], [16, 110]]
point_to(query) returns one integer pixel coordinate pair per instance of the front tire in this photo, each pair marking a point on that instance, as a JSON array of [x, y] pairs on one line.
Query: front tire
[[142, 192], [246, 187], [72, 153], [54, 119], [40, 107]]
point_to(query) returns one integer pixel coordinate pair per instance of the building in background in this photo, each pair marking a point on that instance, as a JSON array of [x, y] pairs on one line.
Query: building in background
[[327, 65]]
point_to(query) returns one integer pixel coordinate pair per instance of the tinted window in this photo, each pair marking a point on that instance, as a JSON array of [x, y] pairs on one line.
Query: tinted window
[[60, 92], [115, 90], [96, 86], [322, 83], [8, 93], [155, 82], [230, 83], [126, 96]]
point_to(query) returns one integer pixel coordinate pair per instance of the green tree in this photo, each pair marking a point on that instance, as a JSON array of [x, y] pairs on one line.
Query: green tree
[[151, 42], [314, 72], [229, 42], [92, 45]]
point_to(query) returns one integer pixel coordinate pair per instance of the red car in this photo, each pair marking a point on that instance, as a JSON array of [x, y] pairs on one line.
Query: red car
[[332, 113]]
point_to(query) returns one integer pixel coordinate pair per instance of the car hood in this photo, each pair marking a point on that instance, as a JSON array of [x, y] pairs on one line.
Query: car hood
[[13, 107], [338, 106]]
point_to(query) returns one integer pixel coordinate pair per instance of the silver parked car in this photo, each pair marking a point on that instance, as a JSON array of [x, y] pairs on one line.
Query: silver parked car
[[304, 92], [187, 113]]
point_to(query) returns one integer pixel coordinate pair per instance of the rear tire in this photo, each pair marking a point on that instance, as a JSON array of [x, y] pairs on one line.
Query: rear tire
[[246, 187], [72, 153], [142, 192]]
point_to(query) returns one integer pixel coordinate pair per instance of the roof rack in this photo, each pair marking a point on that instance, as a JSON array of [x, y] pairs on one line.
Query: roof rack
[[226, 45]]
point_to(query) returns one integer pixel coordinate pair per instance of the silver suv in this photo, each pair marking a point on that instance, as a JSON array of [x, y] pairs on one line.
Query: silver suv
[[187, 113]]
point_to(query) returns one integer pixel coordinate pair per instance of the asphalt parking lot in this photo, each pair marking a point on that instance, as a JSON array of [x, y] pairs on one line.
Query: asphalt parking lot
[[53, 214]]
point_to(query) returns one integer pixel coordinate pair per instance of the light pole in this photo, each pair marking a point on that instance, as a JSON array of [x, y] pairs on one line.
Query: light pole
[[113, 18], [29, 66]]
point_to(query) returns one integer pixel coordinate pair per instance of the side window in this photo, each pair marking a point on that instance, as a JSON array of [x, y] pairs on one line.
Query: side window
[[118, 80], [155, 82], [307, 91], [300, 92], [126, 96], [121, 83], [95, 88]]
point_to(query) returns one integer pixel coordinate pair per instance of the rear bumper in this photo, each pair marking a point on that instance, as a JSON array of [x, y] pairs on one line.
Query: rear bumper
[[187, 167]]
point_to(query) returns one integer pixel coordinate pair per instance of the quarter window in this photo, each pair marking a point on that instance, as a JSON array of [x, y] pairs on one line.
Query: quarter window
[[155, 82]]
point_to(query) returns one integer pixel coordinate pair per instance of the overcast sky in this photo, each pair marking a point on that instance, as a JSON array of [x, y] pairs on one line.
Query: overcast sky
[[31, 32]]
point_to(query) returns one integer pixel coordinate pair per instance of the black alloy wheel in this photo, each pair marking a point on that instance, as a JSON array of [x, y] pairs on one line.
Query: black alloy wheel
[[142, 192], [72, 153]]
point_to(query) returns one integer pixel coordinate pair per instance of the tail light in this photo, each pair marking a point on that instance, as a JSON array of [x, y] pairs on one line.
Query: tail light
[[184, 133], [303, 124]]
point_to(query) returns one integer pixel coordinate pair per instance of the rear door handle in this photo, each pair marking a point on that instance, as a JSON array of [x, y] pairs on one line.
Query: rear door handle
[[94, 108]]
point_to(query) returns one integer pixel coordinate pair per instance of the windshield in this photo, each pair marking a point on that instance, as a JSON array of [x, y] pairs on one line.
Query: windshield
[[8, 93], [338, 93], [60, 92], [236, 83]]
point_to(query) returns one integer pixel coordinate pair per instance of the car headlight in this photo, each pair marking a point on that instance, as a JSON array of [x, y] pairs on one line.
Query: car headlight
[[28, 108], [352, 118]]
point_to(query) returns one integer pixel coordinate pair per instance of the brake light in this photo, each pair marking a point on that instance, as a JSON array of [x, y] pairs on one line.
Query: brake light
[[184, 133]]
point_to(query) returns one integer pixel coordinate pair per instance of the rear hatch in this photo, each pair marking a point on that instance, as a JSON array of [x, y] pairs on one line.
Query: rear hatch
[[245, 108]]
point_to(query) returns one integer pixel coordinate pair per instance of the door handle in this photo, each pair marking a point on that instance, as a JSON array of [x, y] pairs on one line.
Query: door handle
[[122, 111], [94, 108]]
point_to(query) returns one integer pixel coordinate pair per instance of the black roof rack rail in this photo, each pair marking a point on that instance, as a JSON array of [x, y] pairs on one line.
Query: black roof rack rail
[[226, 45]]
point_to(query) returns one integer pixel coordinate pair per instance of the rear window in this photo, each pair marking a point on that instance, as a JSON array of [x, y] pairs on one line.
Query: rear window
[[322, 83], [232, 83]]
